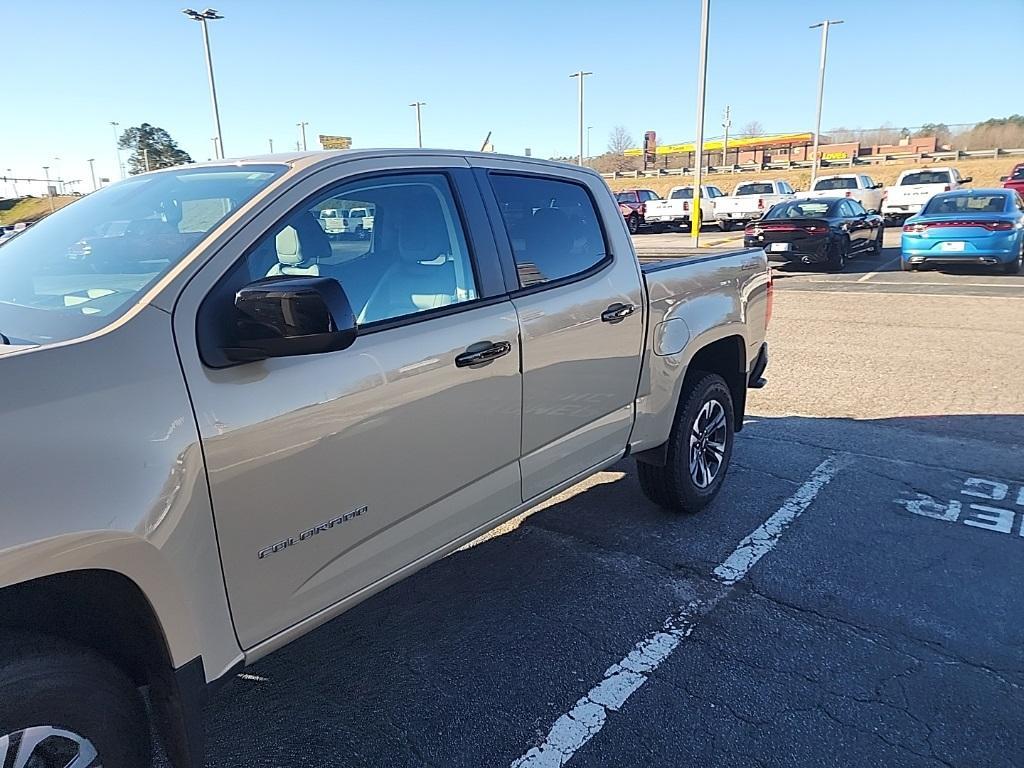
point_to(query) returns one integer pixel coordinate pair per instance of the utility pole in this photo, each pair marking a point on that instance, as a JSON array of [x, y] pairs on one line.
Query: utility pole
[[581, 75], [14, 184], [726, 124], [702, 72], [302, 129], [216, 152], [821, 92], [417, 105], [588, 143], [271, 141], [92, 172], [202, 17], [117, 149], [46, 170]]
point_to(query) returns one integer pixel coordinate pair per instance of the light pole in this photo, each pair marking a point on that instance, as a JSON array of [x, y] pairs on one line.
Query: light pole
[[46, 170], [726, 124], [588, 143], [117, 149], [14, 184], [418, 105], [216, 151], [702, 72], [581, 75], [821, 91], [56, 172], [302, 129], [271, 145], [92, 172], [204, 16]]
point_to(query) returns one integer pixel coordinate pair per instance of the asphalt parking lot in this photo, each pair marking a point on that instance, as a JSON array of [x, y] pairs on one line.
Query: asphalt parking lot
[[853, 597]]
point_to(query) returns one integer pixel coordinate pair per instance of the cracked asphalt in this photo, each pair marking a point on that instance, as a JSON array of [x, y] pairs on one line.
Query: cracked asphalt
[[884, 629]]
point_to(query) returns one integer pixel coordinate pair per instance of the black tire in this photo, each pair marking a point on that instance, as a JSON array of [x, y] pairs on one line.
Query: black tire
[[673, 486], [906, 266], [47, 682], [1014, 267], [877, 246], [837, 252], [633, 224]]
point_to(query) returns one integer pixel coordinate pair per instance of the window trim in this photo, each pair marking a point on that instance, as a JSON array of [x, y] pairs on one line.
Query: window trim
[[506, 251], [207, 346]]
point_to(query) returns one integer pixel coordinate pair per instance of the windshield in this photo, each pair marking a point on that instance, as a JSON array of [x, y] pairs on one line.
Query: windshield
[[754, 189], [686, 193], [798, 209], [76, 270], [837, 183], [925, 177], [626, 197], [965, 204], [1018, 173]]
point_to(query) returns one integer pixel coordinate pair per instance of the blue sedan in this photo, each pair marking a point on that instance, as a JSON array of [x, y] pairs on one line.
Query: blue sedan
[[968, 226]]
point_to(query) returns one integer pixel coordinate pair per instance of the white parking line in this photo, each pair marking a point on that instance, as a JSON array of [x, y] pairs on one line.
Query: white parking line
[[621, 680], [869, 275]]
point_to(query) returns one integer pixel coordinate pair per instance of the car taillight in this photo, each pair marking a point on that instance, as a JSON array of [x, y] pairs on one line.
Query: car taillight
[[991, 226], [946, 188], [914, 227], [686, 206], [760, 203], [849, 193], [812, 229]]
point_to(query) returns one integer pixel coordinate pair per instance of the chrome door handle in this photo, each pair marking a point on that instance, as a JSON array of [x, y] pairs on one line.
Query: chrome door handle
[[617, 312], [480, 356]]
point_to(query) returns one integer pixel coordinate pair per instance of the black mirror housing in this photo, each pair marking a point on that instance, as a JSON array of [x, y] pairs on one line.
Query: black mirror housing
[[1003, 178], [291, 315], [967, 180]]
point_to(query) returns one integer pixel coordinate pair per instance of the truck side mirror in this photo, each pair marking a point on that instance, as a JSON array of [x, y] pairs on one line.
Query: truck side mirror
[[291, 315], [1003, 178], [966, 179]]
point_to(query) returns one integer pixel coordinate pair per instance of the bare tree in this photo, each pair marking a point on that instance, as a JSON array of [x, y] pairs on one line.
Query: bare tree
[[619, 140], [753, 128]]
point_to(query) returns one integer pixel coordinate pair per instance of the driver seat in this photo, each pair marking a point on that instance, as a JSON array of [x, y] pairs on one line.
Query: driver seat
[[300, 247]]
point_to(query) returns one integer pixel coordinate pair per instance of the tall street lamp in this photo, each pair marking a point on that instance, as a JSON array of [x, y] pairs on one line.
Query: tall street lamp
[[302, 129], [92, 172], [702, 77], [588, 142], [581, 75], [117, 148], [821, 92], [204, 16], [418, 105]]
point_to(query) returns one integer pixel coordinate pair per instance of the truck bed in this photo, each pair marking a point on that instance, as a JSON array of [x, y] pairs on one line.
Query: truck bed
[[654, 262]]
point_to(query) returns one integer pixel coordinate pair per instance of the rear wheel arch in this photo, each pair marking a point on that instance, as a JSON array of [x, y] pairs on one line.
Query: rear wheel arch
[[726, 357]]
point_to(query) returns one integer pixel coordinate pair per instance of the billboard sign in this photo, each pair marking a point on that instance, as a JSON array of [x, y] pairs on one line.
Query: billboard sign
[[335, 142]]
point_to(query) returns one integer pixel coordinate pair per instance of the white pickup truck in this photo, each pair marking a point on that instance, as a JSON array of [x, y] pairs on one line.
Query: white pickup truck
[[749, 201], [857, 186], [675, 210], [915, 188]]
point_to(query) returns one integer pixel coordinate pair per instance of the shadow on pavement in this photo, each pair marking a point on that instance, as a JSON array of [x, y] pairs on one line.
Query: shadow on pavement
[[468, 662]]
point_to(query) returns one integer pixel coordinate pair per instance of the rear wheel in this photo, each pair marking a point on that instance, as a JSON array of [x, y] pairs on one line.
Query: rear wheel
[[699, 449], [906, 266], [633, 224], [1013, 267], [877, 247], [836, 255], [62, 705]]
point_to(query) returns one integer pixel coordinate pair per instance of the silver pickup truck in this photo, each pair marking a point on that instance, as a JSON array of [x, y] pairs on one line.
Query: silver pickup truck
[[222, 429]]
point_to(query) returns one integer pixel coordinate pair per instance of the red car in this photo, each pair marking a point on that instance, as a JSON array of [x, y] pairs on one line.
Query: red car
[[1014, 181], [633, 206]]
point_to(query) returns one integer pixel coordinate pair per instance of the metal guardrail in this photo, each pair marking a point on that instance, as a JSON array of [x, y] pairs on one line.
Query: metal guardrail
[[954, 155]]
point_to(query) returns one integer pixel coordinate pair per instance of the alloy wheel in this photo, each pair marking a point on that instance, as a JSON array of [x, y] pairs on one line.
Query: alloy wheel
[[707, 443], [45, 746]]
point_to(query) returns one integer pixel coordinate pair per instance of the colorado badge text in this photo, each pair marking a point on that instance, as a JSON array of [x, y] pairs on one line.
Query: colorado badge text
[[311, 532]]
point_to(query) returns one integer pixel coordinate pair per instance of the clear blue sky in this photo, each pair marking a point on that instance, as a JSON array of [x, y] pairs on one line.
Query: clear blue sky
[[72, 66]]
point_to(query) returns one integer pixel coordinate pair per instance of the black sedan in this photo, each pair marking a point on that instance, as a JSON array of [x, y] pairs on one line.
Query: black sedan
[[822, 230]]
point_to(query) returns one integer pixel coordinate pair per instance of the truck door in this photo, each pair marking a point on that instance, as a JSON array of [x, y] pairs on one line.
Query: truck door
[[330, 473], [576, 288]]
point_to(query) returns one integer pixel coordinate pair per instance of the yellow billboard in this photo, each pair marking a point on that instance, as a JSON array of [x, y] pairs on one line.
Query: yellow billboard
[[335, 142], [715, 145]]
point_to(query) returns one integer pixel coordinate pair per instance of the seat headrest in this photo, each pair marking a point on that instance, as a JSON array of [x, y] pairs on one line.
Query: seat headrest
[[302, 241], [422, 234]]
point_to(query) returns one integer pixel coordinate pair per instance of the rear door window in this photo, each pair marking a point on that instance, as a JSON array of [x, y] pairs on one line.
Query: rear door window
[[553, 227]]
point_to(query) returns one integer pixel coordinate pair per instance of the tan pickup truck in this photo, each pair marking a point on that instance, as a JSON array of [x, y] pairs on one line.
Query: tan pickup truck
[[222, 429]]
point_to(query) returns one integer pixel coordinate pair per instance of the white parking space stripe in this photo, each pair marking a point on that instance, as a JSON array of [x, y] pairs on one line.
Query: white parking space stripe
[[588, 715], [882, 268]]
